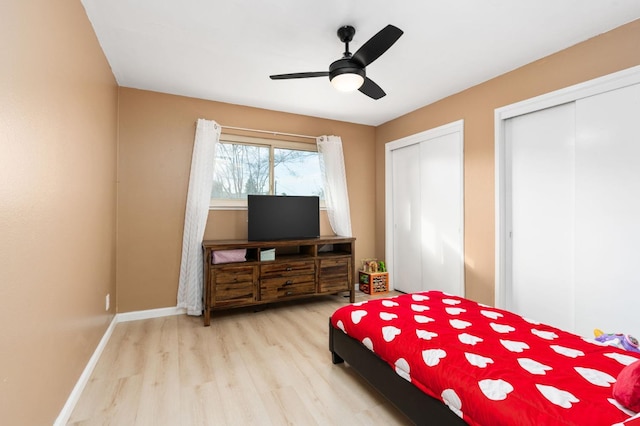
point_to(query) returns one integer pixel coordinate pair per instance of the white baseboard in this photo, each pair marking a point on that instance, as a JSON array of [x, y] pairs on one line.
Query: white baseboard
[[151, 313], [69, 406], [65, 414]]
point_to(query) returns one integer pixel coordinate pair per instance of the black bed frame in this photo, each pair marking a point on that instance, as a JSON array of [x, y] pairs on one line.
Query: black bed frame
[[419, 407]]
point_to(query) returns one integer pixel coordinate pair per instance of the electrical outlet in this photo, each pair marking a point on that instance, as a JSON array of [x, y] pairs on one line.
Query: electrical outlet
[[106, 303]]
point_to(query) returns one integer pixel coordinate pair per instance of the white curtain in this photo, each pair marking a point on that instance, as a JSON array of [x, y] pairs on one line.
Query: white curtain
[[336, 196], [195, 218]]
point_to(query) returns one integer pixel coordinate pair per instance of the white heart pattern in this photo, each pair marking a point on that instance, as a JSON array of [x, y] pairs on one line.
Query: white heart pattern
[[514, 346], [455, 311], [360, 303], [419, 308], [530, 321], [622, 359], [452, 400], [478, 360], [495, 390], [386, 316], [501, 328], [547, 335], [419, 297], [469, 339], [534, 367], [390, 332], [459, 324], [421, 319], [491, 314], [356, 316], [562, 350], [340, 325], [594, 342], [402, 369], [559, 397], [432, 357], [451, 301], [596, 377], [425, 335], [368, 343], [389, 303], [620, 407]]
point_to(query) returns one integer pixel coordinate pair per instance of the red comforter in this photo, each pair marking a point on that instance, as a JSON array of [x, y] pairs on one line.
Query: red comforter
[[490, 366]]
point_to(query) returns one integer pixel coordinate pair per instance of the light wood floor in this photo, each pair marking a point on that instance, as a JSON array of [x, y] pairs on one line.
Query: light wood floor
[[270, 367]]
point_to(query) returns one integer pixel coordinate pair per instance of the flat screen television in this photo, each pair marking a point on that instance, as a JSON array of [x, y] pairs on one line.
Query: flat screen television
[[283, 217]]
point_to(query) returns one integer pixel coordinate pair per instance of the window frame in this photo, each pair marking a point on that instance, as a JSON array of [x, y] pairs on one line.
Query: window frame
[[276, 142]]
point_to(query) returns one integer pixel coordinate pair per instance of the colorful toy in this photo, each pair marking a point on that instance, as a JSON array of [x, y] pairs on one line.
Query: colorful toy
[[619, 340]]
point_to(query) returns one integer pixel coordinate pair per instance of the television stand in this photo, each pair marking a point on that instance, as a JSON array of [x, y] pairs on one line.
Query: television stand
[[301, 268]]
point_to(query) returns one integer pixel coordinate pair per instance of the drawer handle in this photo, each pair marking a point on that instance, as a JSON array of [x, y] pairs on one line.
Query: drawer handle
[[288, 293], [288, 282], [289, 269]]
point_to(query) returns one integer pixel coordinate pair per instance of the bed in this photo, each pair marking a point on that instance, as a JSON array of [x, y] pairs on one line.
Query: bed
[[446, 360]]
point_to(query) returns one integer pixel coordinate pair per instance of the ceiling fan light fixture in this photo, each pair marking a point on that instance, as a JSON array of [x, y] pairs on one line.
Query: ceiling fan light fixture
[[347, 82], [345, 75]]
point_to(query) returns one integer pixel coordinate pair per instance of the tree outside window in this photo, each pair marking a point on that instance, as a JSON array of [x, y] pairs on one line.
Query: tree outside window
[[258, 168]]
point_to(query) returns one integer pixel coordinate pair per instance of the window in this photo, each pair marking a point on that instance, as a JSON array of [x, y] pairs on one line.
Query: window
[[263, 166]]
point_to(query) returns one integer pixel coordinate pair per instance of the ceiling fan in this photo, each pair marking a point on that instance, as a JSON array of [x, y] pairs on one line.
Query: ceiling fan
[[348, 73]]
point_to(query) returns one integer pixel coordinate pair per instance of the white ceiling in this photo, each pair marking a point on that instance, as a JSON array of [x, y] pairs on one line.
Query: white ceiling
[[226, 50]]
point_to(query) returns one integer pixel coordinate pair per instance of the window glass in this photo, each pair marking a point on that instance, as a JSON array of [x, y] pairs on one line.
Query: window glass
[[246, 165], [296, 172], [240, 170]]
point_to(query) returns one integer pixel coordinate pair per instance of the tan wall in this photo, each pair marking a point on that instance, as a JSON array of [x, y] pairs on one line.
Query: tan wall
[[155, 144], [58, 122], [607, 53]]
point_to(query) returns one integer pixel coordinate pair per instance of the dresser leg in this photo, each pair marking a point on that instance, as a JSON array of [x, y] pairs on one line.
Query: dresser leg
[[207, 317]]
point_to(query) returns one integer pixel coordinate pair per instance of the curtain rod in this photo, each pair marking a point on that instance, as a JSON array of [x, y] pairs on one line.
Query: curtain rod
[[269, 132]]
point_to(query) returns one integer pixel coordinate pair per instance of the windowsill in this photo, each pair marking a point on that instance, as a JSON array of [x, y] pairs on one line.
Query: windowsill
[[230, 208], [227, 208]]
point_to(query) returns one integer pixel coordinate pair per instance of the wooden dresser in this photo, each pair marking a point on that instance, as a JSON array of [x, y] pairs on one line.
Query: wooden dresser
[[300, 268]]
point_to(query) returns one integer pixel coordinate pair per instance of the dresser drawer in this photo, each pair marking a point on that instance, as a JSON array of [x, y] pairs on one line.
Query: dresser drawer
[[287, 269], [334, 275], [272, 289], [233, 274], [233, 285]]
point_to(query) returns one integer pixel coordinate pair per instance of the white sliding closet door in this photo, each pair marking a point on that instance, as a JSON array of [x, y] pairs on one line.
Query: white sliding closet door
[[572, 209], [441, 198], [426, 196], [541, 148], [608, 212], [407, 257]]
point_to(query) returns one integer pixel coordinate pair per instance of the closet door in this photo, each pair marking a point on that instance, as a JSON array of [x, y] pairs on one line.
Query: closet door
[[441, 213], [427, 212], [407, 248], [607, 281], [539, 219]]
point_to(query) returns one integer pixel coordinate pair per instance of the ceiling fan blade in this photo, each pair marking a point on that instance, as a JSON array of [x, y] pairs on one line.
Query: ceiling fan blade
[[377, 45], [299, 75], [371, 89]]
